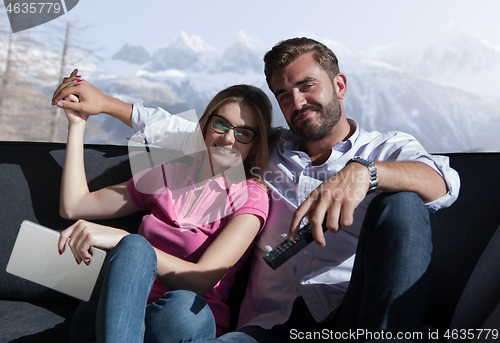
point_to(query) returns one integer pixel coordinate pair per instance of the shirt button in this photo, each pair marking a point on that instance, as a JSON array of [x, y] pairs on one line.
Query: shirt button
[[306, 252]]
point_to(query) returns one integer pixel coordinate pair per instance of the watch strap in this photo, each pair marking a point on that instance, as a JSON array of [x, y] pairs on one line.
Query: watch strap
[[372, 168]]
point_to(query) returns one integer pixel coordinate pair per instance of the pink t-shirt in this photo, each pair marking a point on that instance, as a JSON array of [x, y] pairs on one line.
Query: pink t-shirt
[[165, 191]]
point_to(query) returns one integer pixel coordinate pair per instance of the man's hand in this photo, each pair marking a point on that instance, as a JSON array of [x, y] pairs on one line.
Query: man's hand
[[91, 100], [337, 198], [65, 82], [342, 193]]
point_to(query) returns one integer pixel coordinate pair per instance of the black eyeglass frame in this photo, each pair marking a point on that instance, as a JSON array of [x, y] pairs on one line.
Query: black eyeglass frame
[[231, 127]]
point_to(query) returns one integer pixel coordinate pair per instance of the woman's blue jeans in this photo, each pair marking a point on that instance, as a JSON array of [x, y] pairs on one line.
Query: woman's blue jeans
[[117, 310]]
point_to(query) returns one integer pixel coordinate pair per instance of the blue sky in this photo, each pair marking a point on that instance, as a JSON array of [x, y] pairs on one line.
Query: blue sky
[[360, 25]]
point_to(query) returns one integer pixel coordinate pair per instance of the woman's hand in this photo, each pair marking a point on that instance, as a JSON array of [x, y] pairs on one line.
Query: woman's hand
[[74, 117], [83, 235]]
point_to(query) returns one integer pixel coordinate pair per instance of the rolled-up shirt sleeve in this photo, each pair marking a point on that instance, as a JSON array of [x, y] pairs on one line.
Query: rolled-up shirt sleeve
[[158, 127], [442, 166], [399, 146]]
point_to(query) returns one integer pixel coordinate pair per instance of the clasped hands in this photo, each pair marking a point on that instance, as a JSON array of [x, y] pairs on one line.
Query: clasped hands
[[91, 101]]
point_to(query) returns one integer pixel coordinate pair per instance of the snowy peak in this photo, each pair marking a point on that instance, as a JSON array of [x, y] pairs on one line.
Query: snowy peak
[[455, 48], [243, 39], [241, 56], [132, 54], [183, 53], [442, 54], [194, 43], [451, 57], [453, 35], [192, 53]]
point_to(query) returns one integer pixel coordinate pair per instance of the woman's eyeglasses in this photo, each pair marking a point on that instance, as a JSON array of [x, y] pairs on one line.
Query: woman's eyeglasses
[[241, 134]]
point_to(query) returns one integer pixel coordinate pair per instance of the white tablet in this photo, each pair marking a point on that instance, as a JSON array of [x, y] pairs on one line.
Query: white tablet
[[35, 257]]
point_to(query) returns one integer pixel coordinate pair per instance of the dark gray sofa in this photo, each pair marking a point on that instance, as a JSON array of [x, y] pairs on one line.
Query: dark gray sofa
[[29, 189]]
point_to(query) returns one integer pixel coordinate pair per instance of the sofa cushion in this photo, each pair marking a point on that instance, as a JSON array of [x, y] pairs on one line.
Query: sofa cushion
[[35, 322], [481, 295], [461, 232]]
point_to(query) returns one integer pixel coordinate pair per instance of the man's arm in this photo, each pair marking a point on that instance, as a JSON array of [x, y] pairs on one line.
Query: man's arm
[[91, 100], [339, 196], [411, 176], [156, 125]]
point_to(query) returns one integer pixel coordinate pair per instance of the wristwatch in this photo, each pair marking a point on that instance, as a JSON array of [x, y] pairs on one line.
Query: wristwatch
[[372, 168]]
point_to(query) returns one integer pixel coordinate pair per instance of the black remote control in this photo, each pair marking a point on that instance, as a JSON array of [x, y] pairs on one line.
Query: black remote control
[[288, 248]]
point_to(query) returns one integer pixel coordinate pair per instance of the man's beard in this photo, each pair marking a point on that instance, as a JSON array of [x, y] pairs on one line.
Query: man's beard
[[329, 116]]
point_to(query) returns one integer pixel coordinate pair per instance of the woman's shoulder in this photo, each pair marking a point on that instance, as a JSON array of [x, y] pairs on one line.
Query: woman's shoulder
[[258, 184], [256, 192]]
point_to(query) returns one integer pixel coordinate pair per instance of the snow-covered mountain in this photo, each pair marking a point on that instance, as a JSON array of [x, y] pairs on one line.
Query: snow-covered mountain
[[443, 118], [184, 53], [445, 89], [241, 57], [451, 57], [132, 54]]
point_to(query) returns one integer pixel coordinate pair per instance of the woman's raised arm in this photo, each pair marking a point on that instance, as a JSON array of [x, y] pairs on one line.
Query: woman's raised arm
[[76, 201]]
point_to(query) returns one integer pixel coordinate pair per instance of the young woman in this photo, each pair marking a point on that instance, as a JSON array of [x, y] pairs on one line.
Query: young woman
[[156, 285]]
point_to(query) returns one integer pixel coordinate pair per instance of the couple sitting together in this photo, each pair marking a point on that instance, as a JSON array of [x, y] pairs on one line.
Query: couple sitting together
[[253, 186]]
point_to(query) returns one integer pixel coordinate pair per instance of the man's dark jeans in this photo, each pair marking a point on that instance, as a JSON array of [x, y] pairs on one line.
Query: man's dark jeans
[[388, 287]]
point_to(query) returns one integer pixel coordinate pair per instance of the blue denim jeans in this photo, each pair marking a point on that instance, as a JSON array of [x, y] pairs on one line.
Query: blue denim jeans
[[388, 287], [117, 310]]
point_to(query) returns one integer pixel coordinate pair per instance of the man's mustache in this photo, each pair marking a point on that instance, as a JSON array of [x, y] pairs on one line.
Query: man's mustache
[[309, 107]]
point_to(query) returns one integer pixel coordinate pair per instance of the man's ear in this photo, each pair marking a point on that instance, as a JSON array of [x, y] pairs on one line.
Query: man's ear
[[340, 84]]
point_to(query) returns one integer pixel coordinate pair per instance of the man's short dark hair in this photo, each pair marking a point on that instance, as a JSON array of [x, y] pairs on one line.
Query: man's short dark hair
[[285, 52]]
